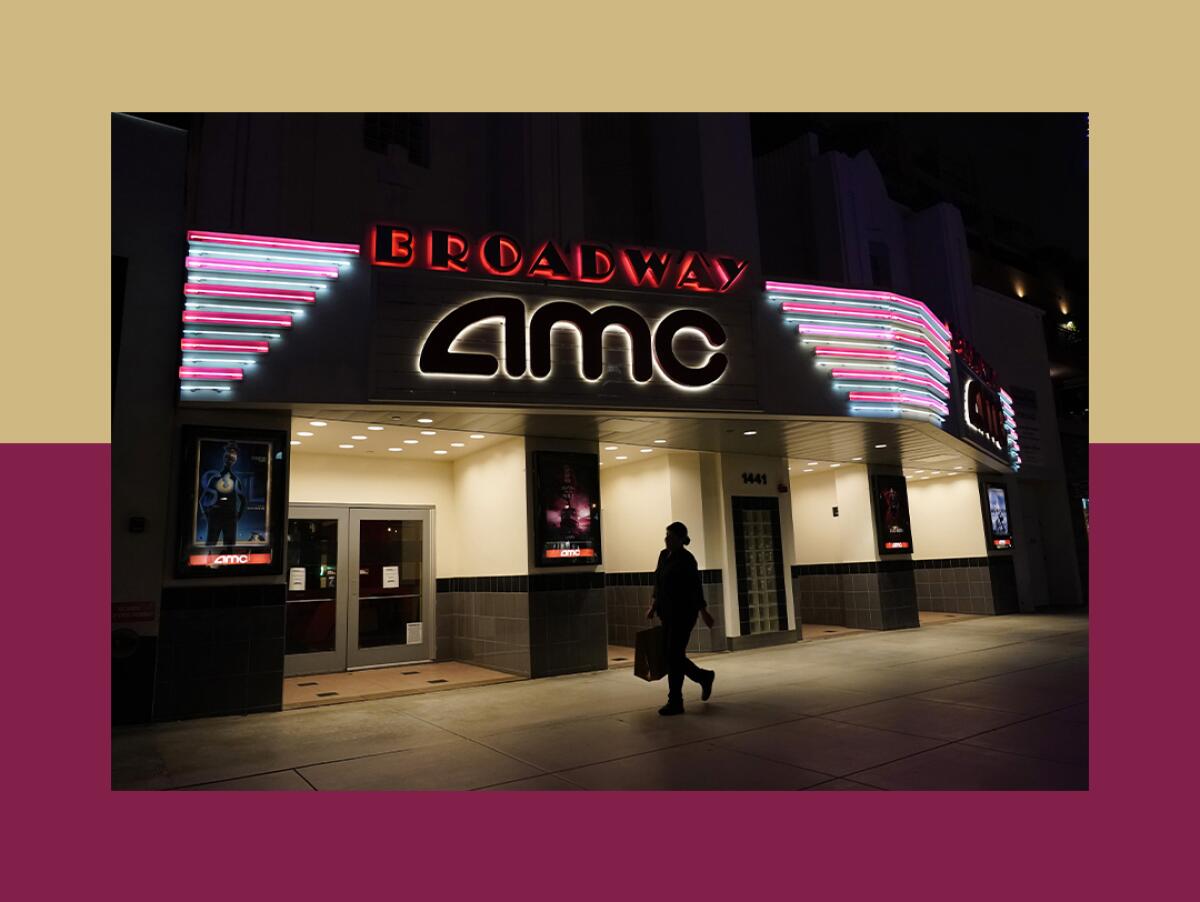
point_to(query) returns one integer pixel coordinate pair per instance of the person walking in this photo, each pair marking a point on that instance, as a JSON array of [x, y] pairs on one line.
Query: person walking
[[678, 600]]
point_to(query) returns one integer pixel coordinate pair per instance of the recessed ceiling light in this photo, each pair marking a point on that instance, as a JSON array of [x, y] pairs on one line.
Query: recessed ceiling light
[[317, 423], [294, 442], [424, 420], [601, 463], [856, 458], [345, 446], [305, 434], [918, 471], [937, 472], [881, 446], [808, 471], [395, 449], [660, 441], [610, 447], [457, 445], [359, 438], [477, 435], [813, 463], [750, 432], [645, 450], [411, 441], [428, 432], [440, 451], [622, 457], [375, 428], [924, 477], [958, 468], [834, 466]]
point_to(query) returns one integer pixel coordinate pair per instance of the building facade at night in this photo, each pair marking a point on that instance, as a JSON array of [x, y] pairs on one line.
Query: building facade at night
[[392, 389]]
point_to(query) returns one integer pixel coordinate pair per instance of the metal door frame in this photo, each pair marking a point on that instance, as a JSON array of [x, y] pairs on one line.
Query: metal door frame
[[382, 656], [326, 661]]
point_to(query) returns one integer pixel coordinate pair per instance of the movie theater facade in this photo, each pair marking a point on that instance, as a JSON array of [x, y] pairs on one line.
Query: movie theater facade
[[428, 445]]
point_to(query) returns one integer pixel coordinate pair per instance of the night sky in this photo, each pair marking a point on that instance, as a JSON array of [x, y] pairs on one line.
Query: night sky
[[1029, 169]]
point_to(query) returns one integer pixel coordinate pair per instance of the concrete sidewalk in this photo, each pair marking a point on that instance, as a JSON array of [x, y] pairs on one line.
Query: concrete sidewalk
[[987, 703]]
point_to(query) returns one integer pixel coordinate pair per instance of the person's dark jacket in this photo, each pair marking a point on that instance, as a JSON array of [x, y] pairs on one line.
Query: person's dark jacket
[[677, 588]]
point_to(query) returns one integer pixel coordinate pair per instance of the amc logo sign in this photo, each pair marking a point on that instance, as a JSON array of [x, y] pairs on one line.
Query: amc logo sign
[[527, 341], [227, 559], [588, 263], [983, 413]]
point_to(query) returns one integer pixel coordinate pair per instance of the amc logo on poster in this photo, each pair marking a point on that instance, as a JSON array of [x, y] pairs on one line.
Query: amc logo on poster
[[230, 508], [889, 496], [566, 508]]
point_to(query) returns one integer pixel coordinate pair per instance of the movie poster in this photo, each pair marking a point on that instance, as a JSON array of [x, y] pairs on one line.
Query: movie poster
[[998, 522], [230, 502], [892, 528], [567, 508]]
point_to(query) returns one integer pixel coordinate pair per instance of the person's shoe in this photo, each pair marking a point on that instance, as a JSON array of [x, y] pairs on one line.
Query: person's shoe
[[706, 686], [671, 708]]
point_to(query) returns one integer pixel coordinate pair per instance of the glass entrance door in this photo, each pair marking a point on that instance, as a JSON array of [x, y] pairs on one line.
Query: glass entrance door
[[359, 588], [390, 587], [317, 539]]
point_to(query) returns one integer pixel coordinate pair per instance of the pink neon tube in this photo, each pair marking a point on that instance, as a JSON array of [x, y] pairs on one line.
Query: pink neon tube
[[864, 354], [282, 244], [856, 312], [898, 396], [198, 372], [217, 344], [851, 293], [237, 319], [219, 264], [873, 334], [845, 332], [198, 289], [875, 376]]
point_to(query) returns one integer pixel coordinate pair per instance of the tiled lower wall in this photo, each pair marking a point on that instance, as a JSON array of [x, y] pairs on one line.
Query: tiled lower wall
[[878, 595], [977, 585], [548, 624], [220, 651], [485, 621], [627, 598], [887, 594], [567, 623], [954, 585]]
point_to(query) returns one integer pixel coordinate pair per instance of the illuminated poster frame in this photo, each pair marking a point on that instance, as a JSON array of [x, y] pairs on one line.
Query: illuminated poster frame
[[552, 548], [889, 502], [997, 518], [232, 497]]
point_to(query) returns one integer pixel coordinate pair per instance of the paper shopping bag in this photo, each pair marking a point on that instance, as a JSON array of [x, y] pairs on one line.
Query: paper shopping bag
[[650, 654]]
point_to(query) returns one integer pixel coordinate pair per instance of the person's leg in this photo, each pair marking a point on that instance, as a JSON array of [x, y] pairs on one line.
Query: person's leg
[[676, 660], [694, 673], [690, 670]]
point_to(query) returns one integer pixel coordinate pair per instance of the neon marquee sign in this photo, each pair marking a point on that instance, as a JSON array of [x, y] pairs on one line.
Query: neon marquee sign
[[242, 294], [498, 255], [987, 408], [888, 353]]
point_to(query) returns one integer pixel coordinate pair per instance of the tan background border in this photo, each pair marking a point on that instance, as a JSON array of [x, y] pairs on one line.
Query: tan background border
[[65, 70]]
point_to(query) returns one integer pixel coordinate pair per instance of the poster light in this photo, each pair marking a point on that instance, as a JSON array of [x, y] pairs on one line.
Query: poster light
[[997, 516], [232, 490], [566, 509], [889, 499]]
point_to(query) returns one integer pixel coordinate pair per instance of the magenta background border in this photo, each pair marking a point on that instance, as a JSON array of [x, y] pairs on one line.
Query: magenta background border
[[75, 835]]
